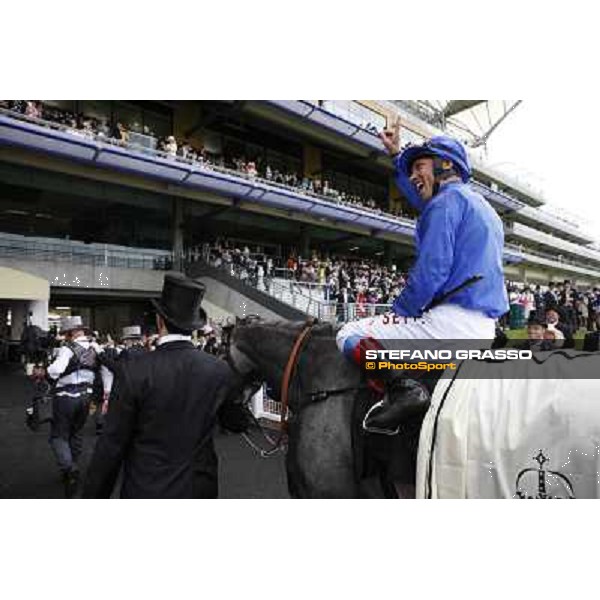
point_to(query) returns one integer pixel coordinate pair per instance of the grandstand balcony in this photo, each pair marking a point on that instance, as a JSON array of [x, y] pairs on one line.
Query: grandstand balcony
[[548, 221], [319, 115], [520, 201], [502, 202], [552, 243], [513, 254], [559, 263], [50, 138], [58, 140]]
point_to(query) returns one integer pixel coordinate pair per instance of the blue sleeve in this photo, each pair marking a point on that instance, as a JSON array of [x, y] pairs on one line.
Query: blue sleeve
[[437, 236], [407, 189]]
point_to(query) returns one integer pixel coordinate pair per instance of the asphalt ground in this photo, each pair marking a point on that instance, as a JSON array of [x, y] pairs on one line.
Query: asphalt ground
[[28, 470]]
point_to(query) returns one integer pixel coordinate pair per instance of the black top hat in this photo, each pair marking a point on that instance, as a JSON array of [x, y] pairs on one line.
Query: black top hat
[[180, 302]]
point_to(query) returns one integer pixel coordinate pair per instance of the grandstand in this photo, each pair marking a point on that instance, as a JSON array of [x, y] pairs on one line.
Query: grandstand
[[99, 198]]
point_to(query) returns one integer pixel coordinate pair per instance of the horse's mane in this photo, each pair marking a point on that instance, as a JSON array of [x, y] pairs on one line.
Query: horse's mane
[[292, 328], [256, 333]]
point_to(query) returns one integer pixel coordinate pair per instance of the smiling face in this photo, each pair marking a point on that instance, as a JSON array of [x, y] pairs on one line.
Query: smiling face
[[422, 177]]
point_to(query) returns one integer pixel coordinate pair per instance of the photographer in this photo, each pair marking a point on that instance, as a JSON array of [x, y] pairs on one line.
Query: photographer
[[74, 370]]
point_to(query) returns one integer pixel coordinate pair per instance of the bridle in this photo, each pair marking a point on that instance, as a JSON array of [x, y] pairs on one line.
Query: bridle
[[288, 373], [286, 381]]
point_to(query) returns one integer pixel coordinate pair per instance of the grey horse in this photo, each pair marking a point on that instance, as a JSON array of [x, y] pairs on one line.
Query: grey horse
[[320, 460]]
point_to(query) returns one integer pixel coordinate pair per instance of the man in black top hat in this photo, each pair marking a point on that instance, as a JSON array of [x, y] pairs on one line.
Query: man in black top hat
[[162, 409]]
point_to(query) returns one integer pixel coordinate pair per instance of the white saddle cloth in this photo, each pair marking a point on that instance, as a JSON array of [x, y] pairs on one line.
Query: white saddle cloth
[[513, 438]]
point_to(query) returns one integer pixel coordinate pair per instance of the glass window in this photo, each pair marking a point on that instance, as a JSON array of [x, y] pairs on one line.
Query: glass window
[[283, 162], [156, 124], [129, 115], [212, 142], [254, 152], [97, 109], [68, 105]]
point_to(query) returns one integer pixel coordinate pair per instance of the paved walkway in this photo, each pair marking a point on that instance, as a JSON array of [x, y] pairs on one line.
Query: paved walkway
[[27, 468]]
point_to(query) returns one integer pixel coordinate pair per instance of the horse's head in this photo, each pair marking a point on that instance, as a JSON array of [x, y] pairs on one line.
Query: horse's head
[[246, 372]]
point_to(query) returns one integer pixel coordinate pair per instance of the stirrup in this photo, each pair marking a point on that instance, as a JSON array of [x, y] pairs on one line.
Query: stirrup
[[378, 430]]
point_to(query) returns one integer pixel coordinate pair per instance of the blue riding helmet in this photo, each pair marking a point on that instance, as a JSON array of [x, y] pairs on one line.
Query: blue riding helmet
[[443, 147]]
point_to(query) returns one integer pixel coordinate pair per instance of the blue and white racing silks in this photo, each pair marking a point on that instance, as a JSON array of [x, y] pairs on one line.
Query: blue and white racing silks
[[458, 236]]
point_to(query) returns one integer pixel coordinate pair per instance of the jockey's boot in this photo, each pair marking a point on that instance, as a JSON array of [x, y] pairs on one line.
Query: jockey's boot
[[404, 400], [398, 398]]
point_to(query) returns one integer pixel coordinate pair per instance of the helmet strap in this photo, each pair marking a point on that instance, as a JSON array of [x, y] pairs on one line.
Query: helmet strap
[[443, 169]]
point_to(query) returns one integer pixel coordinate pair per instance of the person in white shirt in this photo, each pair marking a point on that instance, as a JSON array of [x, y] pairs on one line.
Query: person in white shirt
[[73, 371], [171, 146]]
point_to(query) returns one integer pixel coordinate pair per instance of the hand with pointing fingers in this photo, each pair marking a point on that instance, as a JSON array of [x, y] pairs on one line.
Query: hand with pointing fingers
[[391, 137]]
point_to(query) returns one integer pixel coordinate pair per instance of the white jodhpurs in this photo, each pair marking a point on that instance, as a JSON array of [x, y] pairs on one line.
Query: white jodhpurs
[[445, 322]]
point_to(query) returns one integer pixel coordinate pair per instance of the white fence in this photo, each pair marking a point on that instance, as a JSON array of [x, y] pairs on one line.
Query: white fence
[[264, 407]]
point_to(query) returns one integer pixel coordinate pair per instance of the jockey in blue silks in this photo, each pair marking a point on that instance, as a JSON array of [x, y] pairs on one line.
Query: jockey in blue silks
[[459, 241]]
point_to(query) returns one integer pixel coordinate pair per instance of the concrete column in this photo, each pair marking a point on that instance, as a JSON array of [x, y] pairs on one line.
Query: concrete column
[[388, 255], [39, 316], [185, 118], [312, 161], [523, 274], [394, 197], [304, 244], [4, 331], [177, 234], [18, 318]]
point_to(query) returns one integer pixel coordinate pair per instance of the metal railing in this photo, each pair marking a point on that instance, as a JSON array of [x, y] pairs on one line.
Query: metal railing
[[289, 292], [105, 255]]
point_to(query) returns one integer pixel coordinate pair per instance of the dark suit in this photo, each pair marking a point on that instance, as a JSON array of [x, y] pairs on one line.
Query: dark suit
[[568, 333], [591, 342], [159, 425]]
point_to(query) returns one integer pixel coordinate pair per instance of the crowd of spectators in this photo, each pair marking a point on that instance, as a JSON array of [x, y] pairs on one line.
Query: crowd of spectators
[[554, 313], [253, 168], [579, 308], [340, 280], [560, 309], [76, 123]]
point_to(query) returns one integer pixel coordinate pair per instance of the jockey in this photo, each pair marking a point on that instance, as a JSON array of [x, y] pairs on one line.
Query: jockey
[[459, 241]]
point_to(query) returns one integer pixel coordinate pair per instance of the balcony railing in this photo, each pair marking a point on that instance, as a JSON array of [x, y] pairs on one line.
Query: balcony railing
[[97, 255], [148, 150]]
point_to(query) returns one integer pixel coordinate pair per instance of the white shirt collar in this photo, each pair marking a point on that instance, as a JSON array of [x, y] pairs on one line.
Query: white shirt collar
[[173, 337]]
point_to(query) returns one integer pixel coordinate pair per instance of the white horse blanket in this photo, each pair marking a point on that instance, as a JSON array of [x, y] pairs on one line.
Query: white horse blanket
[[527, 430]]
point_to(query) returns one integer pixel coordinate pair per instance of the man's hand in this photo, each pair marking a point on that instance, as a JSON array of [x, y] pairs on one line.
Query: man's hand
[[105, 403], [391, 137]]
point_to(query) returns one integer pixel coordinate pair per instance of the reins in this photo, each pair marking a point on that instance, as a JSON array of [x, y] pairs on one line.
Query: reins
[[288, 374]]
